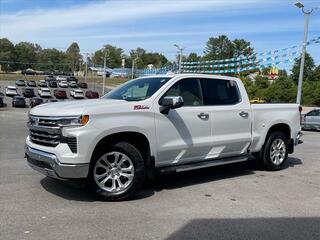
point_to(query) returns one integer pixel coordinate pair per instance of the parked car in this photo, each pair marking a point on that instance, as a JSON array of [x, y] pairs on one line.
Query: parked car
[[92, 94], [311, 120], [169, 123], [82, 85], [50, 78], [63, 84], [42, 83], [44, 93], [60, 94], [73, 84], [53, 84], [76, 93], [61, 78], [28, 92], [72, 79], [11, 91], [31, 83], [18, 101], [21, 83], [35, 101]]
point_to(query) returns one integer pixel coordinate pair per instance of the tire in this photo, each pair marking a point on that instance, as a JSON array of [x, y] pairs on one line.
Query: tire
[[275, 152], [130, 173]]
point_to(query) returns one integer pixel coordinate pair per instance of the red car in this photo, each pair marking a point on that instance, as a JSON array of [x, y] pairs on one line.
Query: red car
[[92, 94], [60, 94]]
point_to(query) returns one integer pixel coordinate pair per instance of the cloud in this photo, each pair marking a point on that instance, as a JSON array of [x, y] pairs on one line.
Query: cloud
[[107, 12]]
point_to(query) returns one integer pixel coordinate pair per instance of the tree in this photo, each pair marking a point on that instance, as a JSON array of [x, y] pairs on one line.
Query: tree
[[27, 54], [113, 55], [218, 48], [242, 47], [7, 54], [193, 57], [54, 60], [316, 73], [73, 55], [308, 69]]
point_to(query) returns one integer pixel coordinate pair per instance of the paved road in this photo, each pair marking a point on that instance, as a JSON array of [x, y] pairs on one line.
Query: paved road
[[230, 202]]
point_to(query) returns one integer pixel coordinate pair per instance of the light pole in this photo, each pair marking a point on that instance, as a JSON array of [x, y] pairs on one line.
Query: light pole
[[86, 70], [180, 49], [306, 14], [132, 69], [104, 71]]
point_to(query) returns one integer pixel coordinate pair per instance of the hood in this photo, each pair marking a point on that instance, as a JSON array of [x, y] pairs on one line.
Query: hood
[[73, 108]]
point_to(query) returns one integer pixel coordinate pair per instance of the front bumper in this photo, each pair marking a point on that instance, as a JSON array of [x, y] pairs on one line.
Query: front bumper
[[49, 165]]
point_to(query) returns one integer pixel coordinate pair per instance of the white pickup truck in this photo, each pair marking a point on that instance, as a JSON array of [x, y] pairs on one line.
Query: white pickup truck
[[158, 124]]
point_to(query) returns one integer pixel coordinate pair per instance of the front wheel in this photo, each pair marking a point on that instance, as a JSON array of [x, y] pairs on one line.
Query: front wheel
[[118, 173], [275, 152]]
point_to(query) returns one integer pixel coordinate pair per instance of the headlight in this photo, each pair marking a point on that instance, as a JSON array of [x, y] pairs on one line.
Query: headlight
[[73, 121]]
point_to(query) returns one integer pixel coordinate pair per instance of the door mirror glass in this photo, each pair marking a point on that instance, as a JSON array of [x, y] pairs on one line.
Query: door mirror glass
[[171, 102]]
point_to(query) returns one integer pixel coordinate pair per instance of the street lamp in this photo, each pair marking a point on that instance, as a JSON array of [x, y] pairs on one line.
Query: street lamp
[[104, 71], [180, 55], [306, 14]]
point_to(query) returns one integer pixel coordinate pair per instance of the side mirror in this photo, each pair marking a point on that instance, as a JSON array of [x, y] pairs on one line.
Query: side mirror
[[171, 102]]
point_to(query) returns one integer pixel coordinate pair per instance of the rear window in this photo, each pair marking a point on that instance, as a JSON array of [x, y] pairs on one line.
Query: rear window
[[220, 92]]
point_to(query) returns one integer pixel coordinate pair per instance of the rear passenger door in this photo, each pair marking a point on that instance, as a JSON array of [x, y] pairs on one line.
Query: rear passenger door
[[230, 117]]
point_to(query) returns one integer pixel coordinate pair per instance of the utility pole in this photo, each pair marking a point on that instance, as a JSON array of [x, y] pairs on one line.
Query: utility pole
[[86, 72], [104, 72], [304, 46], [180, 49], [132, 70]]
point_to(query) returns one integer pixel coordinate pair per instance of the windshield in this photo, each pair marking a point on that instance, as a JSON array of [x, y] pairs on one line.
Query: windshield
[[137, 89]]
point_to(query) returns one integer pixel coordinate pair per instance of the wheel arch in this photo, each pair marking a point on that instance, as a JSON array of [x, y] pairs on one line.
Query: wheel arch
[[137, 139], [280, 127]]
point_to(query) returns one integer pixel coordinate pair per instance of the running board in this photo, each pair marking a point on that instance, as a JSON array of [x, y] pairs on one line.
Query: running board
[[203, 164]]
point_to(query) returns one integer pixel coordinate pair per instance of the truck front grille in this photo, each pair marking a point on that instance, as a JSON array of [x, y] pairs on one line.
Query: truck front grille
[[45, 131]]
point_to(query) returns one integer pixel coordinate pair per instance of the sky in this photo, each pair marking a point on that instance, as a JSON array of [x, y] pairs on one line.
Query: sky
[[156, 25]]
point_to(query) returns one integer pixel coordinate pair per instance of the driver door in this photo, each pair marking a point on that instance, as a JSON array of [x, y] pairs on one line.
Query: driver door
[[184, 134]]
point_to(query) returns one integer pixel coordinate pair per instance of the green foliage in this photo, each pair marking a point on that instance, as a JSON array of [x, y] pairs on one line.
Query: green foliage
[[7, 53], [193, 57], [144, 58], [113, 55], [27, 54], [222, 47], [309, 66], [55, 60], [74, 56]]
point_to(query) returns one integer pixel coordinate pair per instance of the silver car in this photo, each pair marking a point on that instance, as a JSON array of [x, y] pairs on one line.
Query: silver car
[[311, 120]]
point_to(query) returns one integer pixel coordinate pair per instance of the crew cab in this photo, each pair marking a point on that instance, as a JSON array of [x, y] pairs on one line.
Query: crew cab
[[169, 123]]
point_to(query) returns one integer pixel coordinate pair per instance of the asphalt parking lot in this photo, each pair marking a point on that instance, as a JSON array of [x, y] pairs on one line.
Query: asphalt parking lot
[[8, 100], [237, 201]]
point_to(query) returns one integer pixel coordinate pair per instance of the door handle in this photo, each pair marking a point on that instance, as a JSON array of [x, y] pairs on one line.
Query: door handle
[[203, 116], [244, 114]]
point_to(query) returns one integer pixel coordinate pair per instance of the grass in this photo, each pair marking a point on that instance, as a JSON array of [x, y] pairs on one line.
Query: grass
[[90, 79]]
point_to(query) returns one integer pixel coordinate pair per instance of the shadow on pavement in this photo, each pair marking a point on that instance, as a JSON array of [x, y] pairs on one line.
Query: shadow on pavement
[[79, 191], [250, 228]]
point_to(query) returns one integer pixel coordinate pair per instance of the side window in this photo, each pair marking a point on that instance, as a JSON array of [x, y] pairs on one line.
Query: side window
[[189, 89], [318, 113], [312, 113], [220, 92]]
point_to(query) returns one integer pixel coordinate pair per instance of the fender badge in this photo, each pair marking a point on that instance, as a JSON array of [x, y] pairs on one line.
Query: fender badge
[[140, 107]]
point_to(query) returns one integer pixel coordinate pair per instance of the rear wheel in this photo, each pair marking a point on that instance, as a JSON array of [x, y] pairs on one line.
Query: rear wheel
[[118, 172], [275, 152]]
